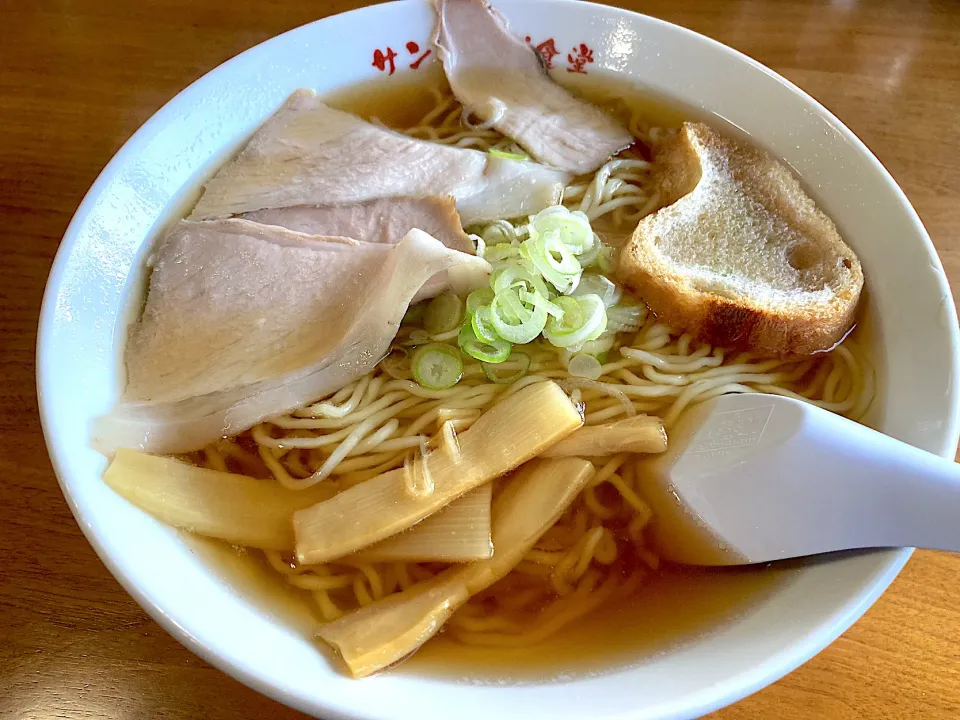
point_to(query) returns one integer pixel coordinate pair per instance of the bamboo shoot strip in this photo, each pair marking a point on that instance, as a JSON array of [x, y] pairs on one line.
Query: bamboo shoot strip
[[516, 429], [239, 509], [640, 434], [380, 634], [460, 532]]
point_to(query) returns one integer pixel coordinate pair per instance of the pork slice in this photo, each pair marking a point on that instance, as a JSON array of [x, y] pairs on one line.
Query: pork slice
[[310, 154], [500, 78], [243, 321], [384, 220]]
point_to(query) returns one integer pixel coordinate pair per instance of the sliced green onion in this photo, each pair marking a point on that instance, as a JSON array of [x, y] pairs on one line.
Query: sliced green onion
[[593, 284], [571, 317], [482, 324], [499, 232], [414, 314], [444, 313], [626, 317], [444, 336], [515, 274], [553, 259], [513, 308], [499, 254], [397, 364], [513, 321], [478, 298], [588, 259], [437, 366], [518, 360], [599, 347], [507, 155], [607, 261], [573, 228], [584, 366], [537, 287], [489, 352], [535, 298], [578, 325]]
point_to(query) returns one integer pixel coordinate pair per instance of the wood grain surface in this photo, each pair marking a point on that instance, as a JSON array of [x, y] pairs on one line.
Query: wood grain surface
[[77, 77]]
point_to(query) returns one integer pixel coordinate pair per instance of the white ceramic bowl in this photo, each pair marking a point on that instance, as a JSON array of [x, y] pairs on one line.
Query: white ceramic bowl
[[78, 360]]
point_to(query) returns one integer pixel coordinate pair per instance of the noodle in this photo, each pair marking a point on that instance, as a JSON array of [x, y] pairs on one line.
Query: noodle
[[596, 551]]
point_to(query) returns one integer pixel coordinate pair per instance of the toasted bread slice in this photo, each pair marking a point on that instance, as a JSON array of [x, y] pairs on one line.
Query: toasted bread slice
[[738, 255]]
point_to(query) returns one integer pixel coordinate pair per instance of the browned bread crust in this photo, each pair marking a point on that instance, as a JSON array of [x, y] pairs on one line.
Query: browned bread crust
[[739, 255]]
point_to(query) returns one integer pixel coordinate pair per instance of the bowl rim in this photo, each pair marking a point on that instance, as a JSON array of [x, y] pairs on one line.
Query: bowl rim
[[771, 669]]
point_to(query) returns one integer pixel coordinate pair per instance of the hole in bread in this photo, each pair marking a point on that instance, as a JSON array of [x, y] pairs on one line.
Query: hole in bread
[[803, 256], [846, 263]]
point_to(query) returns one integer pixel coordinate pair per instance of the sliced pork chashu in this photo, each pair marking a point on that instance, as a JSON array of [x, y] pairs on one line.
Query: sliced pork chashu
[[243, 321], [310, 154], [385, 220], [499, 77]]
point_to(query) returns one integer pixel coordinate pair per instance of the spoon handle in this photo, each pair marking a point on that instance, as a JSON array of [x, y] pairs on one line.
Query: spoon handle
[[887, 493], [774, 478]]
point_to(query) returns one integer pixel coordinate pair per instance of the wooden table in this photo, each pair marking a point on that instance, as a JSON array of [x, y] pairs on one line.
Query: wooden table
[[77, 77]]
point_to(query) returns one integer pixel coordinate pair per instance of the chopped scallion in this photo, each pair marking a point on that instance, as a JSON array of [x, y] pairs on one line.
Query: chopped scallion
[[513, 321], [599, 347], [515, 274], [482, 324], [414, 314], [606, 260], [507, 155], [553, 259], [437, 366], [397, 364], [490, 352], [514, 368], [536, 298], [478, 298], [577, 326], [499, 232], [573, 228], [443, 314], [626, 317], [584, 366], [537, 287], [593, 284]]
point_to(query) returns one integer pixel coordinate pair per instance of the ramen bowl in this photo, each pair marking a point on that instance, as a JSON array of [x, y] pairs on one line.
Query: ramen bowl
[[99, 268]]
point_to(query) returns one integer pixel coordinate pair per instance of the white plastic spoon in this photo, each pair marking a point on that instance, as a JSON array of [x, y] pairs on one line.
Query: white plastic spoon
[[755, 478]]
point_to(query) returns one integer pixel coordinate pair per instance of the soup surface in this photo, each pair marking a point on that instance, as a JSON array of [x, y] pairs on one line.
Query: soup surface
[[648, 608], [675, 606]]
